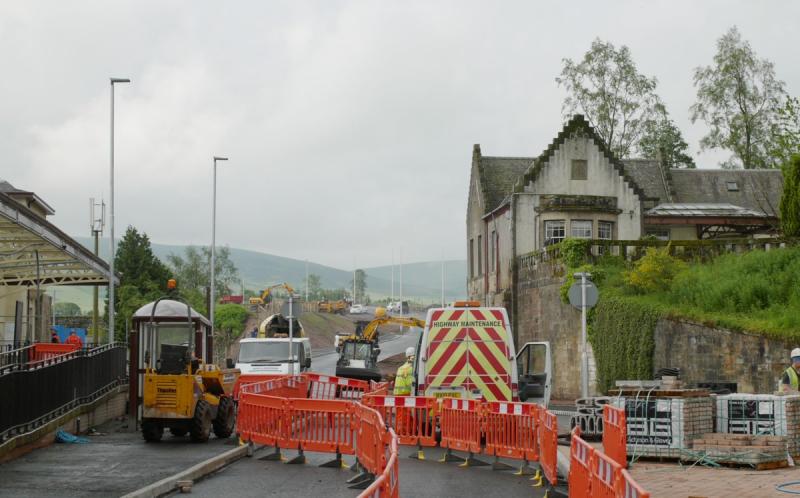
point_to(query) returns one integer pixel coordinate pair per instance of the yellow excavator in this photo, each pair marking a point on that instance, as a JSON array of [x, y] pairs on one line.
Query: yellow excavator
[[266, 294], [358, 353]]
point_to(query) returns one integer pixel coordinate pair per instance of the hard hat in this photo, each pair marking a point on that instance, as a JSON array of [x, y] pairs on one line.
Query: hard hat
[[410, 352], [795, 353]]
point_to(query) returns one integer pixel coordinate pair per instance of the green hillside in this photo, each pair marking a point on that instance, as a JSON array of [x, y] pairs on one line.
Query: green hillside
[[421, 281]]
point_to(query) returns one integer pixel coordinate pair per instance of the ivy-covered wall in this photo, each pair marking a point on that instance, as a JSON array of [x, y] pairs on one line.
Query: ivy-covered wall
[[621, 334]]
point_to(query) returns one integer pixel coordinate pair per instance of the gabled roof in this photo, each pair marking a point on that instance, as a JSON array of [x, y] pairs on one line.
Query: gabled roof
[[577, 126], [17, 194], [650, 177], [497, 177], [759, 190]]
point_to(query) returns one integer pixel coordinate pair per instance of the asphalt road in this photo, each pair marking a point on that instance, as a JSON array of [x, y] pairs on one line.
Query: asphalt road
[[253, 477], [109, 465], [324, 362]]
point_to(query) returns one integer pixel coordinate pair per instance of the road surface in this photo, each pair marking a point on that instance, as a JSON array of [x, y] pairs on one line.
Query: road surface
[[324, 361]]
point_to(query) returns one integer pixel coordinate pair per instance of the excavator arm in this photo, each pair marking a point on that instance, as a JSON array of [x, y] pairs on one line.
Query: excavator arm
[[372, 327], [266, 292]]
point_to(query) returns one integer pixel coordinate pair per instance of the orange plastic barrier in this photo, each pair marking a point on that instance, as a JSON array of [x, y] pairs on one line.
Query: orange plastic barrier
[[47, 351], [368, 426], [603, 473], [580, 455], [548, 445], [627, 487], [331, 387], [511, 430], [319, 425], [460, 424], [413, 419], [247, 379], [261, 419], [388, 483], [615, 435], [378, 388]]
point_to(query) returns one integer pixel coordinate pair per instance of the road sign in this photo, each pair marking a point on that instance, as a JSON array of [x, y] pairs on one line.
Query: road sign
[[575, 295]]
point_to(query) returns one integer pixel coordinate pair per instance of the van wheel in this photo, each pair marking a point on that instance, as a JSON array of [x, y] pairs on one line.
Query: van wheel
[[226, 418], [200, 425]]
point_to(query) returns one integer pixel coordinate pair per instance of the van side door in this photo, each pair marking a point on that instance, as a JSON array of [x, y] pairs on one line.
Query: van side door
[[535, 371]]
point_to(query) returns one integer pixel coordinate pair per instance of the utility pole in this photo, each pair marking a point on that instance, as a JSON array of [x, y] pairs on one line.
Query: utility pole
[[96, 224], [401, 282], [111, 310], [213, 301], [392, 276], [291, 336], [306, 280], [443, 304]]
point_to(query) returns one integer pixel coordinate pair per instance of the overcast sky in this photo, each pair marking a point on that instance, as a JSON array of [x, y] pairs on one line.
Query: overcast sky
[[349, 125]]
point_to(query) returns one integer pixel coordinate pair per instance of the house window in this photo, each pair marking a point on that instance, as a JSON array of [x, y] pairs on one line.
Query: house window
[[471, 258], [492, 242], [581, 229], [480, 245], [579, 169], [554, 231], [604, 230], [732, 186]]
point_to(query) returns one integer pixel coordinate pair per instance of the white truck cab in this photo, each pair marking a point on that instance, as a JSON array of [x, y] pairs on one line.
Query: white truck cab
[[271, 356]]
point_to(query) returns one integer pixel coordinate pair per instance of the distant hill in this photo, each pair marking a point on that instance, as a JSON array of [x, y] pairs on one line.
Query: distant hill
[[420, 280]]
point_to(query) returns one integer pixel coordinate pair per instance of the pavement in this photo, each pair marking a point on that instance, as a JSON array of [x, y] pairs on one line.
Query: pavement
[[253, 477], [109, 465], [671, 480]]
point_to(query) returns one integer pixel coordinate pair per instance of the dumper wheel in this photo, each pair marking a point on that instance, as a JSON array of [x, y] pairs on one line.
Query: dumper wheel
[[152, 431], [226, 418], [200, 425], [178, 431]]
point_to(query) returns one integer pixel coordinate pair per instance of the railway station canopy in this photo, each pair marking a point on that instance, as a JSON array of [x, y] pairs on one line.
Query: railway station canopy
[[34, 251]]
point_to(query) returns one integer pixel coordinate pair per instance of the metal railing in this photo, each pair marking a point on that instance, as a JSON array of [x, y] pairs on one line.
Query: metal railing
[[42, 391], [632, 250]]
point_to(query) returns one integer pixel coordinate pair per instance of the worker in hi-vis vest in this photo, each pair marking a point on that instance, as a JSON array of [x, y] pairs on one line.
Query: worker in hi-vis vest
[[403, 381], [790, 382]]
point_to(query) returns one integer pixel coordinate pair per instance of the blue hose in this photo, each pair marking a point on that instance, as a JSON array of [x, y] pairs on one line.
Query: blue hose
[[780, 487]]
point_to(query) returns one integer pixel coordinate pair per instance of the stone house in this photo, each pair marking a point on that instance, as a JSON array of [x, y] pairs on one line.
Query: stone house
[[578, 188]]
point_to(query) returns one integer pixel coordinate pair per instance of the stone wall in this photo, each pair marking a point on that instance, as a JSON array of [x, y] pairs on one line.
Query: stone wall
[[544, 317], [711, 354]]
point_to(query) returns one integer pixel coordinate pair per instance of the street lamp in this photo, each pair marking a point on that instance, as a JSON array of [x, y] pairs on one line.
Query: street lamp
[[111, 224], [213, 248]]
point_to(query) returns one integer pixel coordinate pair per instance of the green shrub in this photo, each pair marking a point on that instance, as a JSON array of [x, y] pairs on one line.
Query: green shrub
[[654, 271]]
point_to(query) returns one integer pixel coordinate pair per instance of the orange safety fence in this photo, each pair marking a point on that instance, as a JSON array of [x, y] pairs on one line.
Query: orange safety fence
[[45, 351], [510, 430], [369, 428], [319, 425], [331, 387], [614, 435], [388, 482], [580, 474], [460, 424], [548, 445], [378, 388], [247, 379], [604, 473], [412, 418], [261, 419], [627, 487]]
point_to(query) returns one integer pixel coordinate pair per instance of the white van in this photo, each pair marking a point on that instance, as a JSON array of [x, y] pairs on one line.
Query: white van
[[271, 356], [535, 369], [467, 351]]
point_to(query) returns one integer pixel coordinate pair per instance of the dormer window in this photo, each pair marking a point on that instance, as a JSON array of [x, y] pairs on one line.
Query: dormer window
[[732, 186], [579, 169]]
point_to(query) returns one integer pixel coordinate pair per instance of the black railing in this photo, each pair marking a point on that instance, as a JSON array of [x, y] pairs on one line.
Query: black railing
[[34, 396]]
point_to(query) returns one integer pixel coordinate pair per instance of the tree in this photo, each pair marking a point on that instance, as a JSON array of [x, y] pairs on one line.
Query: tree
[[610, 92], [143, 277], [790, 200], [229, 321], [739, 98], [66, 309], [314, 285], [662, 139], [193, 269], [786, 131], [361, 285]]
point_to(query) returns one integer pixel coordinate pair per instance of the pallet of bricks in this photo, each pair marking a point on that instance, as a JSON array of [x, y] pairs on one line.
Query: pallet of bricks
[[663, 420], [760, 452], [774, 419]]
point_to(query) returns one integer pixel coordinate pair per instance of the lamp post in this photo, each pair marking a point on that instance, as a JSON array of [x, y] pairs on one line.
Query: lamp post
[[213, 303], [111, 221]]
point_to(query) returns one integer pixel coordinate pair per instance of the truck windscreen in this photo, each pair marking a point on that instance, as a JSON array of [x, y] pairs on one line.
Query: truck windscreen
[[277, 352]]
